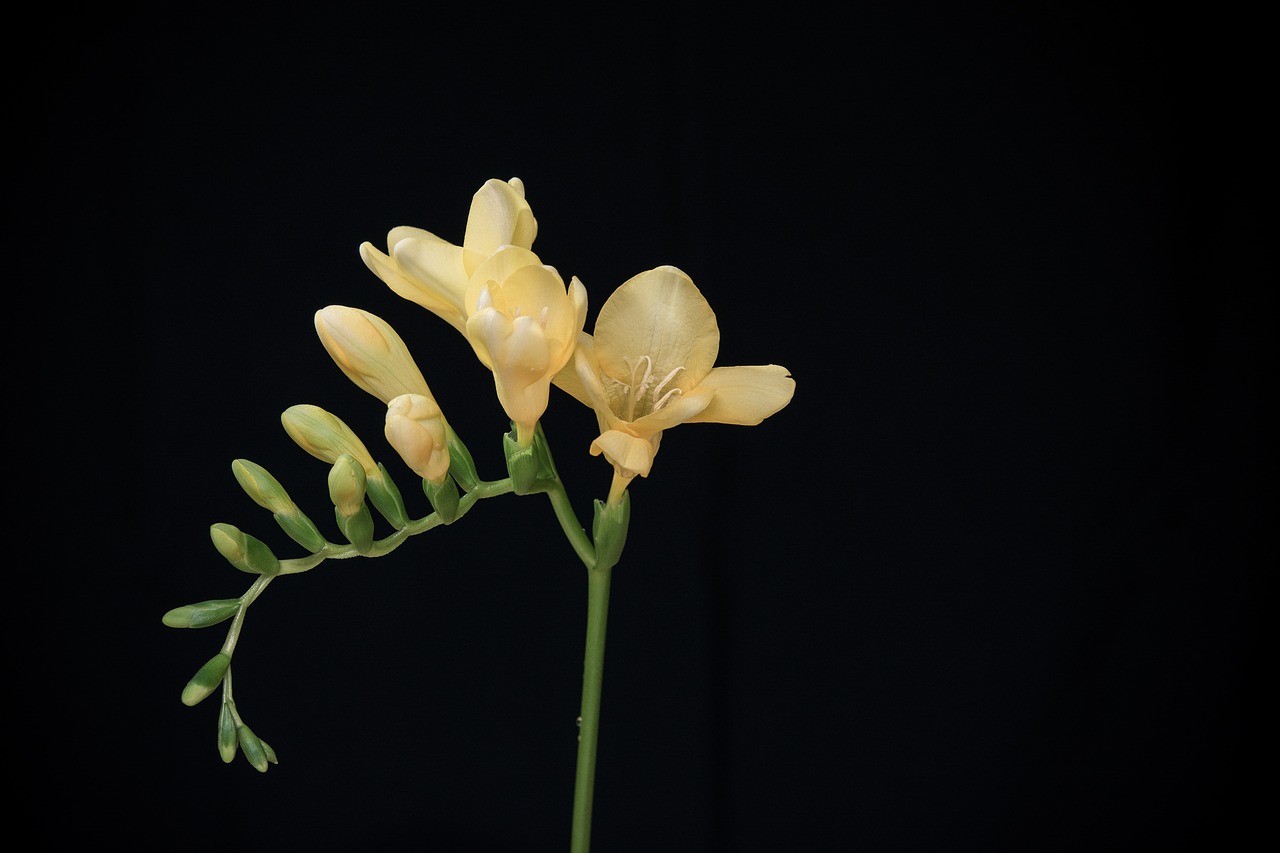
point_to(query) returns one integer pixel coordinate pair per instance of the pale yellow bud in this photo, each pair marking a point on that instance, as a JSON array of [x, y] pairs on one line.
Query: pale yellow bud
[[326, 437], [369, 352], [416, 429], [347, 485]]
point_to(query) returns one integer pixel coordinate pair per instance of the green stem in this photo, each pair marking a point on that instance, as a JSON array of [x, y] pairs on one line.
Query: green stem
[[598, 580]]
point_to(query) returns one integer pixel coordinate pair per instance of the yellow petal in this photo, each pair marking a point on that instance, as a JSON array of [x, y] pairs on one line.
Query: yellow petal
[[628, 454], [499, 216], [745, 395], [433, 275], [661, 314]]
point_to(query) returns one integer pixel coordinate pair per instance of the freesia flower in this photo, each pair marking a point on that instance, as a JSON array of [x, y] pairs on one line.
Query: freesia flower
[[523, 324], [433, 272], [416, 429], [649, 366]]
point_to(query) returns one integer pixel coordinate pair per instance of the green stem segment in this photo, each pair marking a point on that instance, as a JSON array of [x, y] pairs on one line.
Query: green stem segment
[[598, 580]]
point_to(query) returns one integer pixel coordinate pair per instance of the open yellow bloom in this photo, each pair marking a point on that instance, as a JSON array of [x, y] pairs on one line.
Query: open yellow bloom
[[523, 324], [649, 366], [433, 272]]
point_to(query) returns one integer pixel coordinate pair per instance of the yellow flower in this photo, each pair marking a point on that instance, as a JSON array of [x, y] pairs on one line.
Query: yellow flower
[[523, 324], [416, 429], [369, 352], [650, 366], [433, 272]]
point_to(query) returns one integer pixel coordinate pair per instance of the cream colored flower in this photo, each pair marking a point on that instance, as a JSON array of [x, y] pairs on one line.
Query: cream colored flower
[[416, 429], [369, 352], [433, 272], [649, 366], [523, 324]]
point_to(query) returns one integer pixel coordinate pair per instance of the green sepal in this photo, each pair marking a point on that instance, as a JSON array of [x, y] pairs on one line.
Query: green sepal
[[302, 530], [228, 741], [385, 496], [245, 552], [530, 468], [357, 528], [443, 498], [255, 749], [206, 680], [609, 530], [202, 614], [461, 466]]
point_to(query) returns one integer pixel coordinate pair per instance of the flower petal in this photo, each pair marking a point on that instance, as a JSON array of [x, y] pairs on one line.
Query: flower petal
[[662, 314], [745, 395], [435, 274], [628, 454], [499, 217]]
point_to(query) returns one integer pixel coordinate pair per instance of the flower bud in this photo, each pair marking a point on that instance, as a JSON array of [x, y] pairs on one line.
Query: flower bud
[[265, 490], [347, 485], [417, 431], [228, 740], [206, 679], [202, 614], [255, 749], [369, 352], [325, 436], [243, 551]]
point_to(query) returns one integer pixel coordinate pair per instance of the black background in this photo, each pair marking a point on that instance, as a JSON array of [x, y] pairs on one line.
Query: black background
[[988, 583]]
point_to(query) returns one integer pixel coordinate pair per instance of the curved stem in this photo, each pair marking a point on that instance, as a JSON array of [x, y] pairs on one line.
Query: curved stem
[[568, 519], [598, 581]]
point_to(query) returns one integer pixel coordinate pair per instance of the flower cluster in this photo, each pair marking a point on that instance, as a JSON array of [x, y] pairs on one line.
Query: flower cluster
[[648, 366]]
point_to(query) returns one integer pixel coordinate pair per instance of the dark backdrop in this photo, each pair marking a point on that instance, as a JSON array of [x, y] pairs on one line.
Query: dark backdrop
[[988, 583]]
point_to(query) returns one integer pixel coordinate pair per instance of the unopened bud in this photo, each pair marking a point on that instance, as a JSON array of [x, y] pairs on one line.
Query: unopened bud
[[416, 429], [243, 551], [206, 680]]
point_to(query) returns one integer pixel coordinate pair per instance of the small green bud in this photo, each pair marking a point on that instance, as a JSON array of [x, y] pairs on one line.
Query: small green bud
[[255, 749], [243, 551], [227, 739], [357, 528], [609, 530], [206, 680], [265, 490], [444, 498], [347, 485], [385, 495], [202, 614], [302, 530]]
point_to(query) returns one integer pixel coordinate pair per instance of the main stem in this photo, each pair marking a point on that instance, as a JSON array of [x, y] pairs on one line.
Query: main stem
[[598, 580]]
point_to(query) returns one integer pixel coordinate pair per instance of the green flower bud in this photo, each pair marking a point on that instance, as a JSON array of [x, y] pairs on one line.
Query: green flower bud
[[256, 749], [265, 490], [347, 485], [227, 739], [609, 530], [206, 680], [202, 614], [244, 551]]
